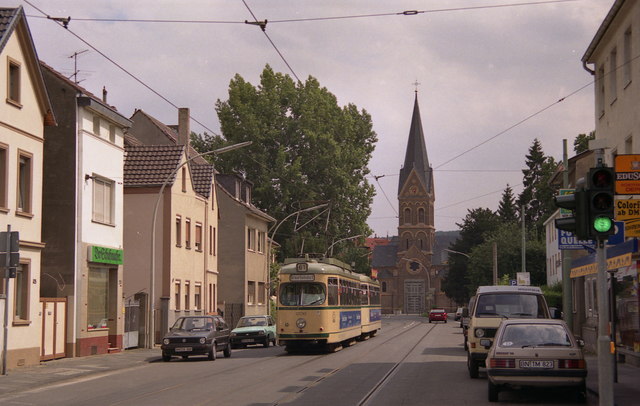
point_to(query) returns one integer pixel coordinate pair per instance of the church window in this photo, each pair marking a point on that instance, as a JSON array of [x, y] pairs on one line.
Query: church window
[[421, 215], [407, 216], [384, 286]]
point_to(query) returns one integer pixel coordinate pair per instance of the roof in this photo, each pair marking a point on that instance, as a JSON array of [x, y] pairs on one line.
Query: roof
[[384, 256], [611, 15], [508, 289], [416, 155], [202, 178], [251, 208], [12, 19], [150, 165]]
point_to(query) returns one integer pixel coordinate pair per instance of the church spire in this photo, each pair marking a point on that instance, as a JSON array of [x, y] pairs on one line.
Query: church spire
[[416, 155]]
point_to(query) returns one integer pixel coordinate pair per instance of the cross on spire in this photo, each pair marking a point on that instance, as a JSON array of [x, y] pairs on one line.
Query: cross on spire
[[416, 84]]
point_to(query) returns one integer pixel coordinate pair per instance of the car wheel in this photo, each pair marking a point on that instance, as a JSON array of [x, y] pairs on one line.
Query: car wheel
[[472, 366], [466, 347], [212, 352], [429, 320], [227, 350], [166, 357], [445, 321], [265, 343], [493, 392]]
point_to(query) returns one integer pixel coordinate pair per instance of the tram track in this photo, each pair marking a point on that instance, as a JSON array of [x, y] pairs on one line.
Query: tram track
[[351, 360]]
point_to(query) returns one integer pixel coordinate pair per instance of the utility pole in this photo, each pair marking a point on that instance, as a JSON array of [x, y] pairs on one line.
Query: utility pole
[[567, 292]]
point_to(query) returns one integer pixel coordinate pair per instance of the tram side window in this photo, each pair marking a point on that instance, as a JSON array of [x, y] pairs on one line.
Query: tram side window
[[375, 295], [364, 294], [332, 291]]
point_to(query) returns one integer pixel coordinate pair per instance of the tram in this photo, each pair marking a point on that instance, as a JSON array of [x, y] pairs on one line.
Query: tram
[[322, 303]]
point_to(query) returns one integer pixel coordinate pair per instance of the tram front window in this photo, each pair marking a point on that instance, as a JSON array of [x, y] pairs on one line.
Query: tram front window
[[302, 294]]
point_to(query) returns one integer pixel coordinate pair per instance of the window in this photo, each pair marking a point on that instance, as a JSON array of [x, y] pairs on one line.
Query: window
[[210, 240], [261, 241], [197, 297], [251, 239], [332, 291], [600, 92], [628, 145], [103, 200], [187, 288], [98, 298], [3, 175], [384, 286], [407, 216], [251, 292], [13, 87], [178, 231], [21, 293], [187, 233], [198, 237], [96, 125], [421, 216], [261, 292], [24, 182], [613, 75], [184, 180], [176, 294], [626, 68], [112, 133]]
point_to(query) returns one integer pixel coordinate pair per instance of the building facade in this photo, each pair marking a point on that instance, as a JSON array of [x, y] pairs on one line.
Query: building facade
[[24, 115], [163, 171], [243, 257], [83, 216]]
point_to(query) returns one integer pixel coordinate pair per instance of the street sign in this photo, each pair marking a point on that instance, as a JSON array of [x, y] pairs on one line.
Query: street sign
[[568, 241], [618, 237], [562, 192], [524, 278], [627, 169]]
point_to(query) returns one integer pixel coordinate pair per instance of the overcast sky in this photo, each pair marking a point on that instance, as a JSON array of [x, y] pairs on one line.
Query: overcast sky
[[482, 69]]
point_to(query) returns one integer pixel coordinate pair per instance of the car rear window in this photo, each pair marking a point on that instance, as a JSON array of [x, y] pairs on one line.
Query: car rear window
[[535, 335]]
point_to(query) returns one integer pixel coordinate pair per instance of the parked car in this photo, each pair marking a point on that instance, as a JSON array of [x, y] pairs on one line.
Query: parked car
[[254, 330], [196, 335], [437, 315], [458, 315], [536, 353]]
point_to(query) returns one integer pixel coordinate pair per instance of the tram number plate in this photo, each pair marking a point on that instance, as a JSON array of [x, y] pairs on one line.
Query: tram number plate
[[536, 364], [183, 349]]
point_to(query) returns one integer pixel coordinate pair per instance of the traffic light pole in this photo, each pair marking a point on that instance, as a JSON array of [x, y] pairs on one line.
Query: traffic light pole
[[606, 348]]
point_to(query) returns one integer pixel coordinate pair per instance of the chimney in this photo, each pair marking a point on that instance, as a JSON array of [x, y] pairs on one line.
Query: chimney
[[104, 94], [184, 132]]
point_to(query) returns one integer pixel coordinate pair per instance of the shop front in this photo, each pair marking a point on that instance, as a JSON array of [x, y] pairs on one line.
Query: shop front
[[624, 298]]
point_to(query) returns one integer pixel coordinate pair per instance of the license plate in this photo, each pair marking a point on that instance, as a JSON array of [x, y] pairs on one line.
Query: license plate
[[247, 340], [536, 364], [183, 349]]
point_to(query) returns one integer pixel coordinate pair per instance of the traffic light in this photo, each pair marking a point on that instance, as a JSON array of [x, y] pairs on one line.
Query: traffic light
[[577, 223], [601, 191]]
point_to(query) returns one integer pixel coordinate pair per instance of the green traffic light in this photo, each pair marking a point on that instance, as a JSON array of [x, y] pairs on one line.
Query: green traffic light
[[602, 224]]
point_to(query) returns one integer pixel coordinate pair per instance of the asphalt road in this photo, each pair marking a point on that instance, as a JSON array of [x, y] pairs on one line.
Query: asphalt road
[[410, 362]]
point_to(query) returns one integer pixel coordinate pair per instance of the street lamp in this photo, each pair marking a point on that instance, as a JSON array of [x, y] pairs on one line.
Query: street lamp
[[152, 298], [457, 252], [270, 239]]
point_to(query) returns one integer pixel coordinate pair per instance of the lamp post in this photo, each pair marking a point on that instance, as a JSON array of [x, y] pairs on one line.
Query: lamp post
[[152, 270], [270, 239], [457, 252]]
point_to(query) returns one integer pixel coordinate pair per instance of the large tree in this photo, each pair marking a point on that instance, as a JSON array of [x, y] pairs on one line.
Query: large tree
[[581, 142], [507, 210], [537, 196], [306, 150]]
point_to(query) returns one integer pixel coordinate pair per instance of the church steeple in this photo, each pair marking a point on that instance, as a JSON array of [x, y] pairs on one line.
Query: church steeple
[[416, 155]]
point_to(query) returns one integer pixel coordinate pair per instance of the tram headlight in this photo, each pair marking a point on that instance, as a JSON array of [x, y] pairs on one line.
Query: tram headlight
[[301, 323], [479, 332]]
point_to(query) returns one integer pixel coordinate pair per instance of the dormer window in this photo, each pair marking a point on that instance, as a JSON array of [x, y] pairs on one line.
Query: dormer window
[[247, 195]]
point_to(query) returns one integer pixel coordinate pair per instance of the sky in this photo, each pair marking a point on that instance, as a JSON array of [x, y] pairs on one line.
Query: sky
[[491, 74]]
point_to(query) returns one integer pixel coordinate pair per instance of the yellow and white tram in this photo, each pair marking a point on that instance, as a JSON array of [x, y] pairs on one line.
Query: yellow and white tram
[[321, 302]]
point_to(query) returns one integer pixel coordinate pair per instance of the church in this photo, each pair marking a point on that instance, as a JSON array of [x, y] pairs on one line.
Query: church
[[408, 266]]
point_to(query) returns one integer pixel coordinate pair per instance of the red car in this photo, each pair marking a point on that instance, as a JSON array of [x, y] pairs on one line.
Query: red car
[[437, 315]]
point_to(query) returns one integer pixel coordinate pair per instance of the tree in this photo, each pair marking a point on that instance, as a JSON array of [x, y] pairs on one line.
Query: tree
[[306, 150], [537, 195], [507, 210], [473, 230], [581, 143]]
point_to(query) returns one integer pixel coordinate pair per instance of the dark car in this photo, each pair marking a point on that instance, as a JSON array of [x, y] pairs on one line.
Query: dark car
[[197, 335], [437, 315]]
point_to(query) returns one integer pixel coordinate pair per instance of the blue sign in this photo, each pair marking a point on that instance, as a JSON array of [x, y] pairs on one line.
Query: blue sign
[[375, 314], [350, 319], [513, 282], [568, 241], [618, 237]]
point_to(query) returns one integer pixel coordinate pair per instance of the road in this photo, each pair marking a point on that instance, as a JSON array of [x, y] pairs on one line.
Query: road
[[411, 362]]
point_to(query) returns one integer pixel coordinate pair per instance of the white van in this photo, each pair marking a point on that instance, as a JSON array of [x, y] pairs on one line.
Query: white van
[[494, 304]]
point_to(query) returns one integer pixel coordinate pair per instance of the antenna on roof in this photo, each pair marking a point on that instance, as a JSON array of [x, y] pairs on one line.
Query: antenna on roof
[[75, 65]]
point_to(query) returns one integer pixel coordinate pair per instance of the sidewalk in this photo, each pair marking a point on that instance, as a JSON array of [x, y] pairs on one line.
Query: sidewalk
[[57, 371], [626, 391]]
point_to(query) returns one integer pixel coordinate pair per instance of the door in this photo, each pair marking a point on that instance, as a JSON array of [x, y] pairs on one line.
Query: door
[[54, 327], [414, 296], [131, 323]]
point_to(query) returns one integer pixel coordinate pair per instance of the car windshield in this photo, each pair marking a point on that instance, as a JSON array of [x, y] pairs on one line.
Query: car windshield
[[510, 305], [192, 324], [252, 321], [535, 335], [302, 294]]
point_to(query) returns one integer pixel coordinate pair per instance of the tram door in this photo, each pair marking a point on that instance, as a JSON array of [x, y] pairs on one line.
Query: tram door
[[414, 296]]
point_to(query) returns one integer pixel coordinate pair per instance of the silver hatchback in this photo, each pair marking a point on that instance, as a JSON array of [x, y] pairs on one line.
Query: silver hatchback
[[535, 353]]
